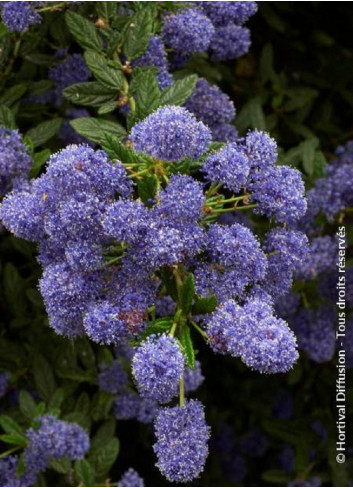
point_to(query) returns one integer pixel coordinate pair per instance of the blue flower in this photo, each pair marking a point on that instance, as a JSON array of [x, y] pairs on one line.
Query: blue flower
[[18, 16], [157, 367], [182, 435], [130, 478], [229, 42], [188, 31], [171, 134], [222, 13]]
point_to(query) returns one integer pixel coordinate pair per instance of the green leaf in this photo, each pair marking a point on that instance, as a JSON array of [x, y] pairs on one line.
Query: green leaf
[[144, 87], [137, 34], [147, 188], [10, 426], [320, 164], [274, 476], [7, 117], [56, 399], [266, 63], [158, 327], [179, 92], [62, 466], [44, 131], [107, 107], [96, 129], [13, 94], [106, 10], [108, 76], [204, 305], [83, 403], [308, 151], [43, 377], [104, 433], [252, 115], [187, 346], [90, 93], [27, 404], [39, 160], [84, 473], [118, 150], [103, 459], [187, 293], [14, 439], [84, 31]]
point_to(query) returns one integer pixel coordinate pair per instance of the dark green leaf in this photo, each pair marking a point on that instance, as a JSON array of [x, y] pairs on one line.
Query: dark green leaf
[[274, 476], [12, 94], [106, 10], [107, 75], [147, 188], [27, 404], [179, 92], [96, 129], [62, 466], [14, 439], [90, 93], [308, 151], [43, 377], [84, 473], [10, 426], [158, 327], [187, 293], [145, 89], [104, 433], [137, 34], [266, 63], [187, 346], [44, 131], [7, 117], [83, 31], [103, 459], [118, 150], [39, 160], [204, 305], [56, 399], [320, 164], [108, 107], [83, 403]]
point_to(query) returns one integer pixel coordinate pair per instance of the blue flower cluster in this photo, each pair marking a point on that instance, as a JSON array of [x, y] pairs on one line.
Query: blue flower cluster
[[72, 69], [109, 260], [252, 332], [4, 381], [171, 134], [15, 161], [131, 478], [52, 439], [18, 16], [181, 446], [214, 26]]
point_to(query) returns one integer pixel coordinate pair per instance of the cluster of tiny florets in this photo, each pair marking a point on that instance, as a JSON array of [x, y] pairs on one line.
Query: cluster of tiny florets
[[157, 366], [15, 161], [131, 478], [171, 134], [18, 16], [181, 446]]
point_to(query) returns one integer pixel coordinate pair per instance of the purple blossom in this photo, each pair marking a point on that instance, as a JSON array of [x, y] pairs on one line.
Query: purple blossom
[[222, 13], [229, 166], [193, 378], [18, 16], [131, 478], [171, 134], [210, 105], [279, 193], [126, 220], [182, 199], [322, 256], [182, 435], [15, 161], [261, 150], [224, 132], [157, 367], [188, 31], [254, 444], [112, 378], [229, 42], [4, 381], [126, 406]]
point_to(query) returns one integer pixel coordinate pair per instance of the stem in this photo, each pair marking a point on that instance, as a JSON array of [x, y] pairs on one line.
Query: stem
[[132, 104], [112, 261], [213, 189], [52, 7], [8, 452], [200, 330], [173, 329], [245, 207], [181, 392], [226, 201]]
